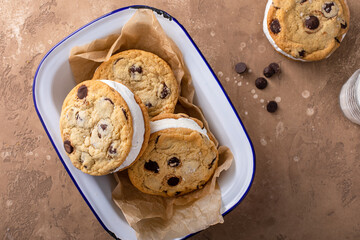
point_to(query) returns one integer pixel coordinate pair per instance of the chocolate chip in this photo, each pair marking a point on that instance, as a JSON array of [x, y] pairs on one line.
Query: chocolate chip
[[327, 6], [148, 105], [177, 193], [261, 83], [275, 26], [240, 68], [99, 135], [108, 99], [312, 22], [77, 115], [336, 39], [117, 60], [268, 72], [275, 66], [82, 91], [85, 166], [302, 53], [112, 150], [173, 181], [103, 126], [329, 9], [212, 163], [165, 91], [157, 139], [173, 162], [272, 107], [152, 166], [124, 111], [302, 1], [134, 69], [68, 148], [343, 26]]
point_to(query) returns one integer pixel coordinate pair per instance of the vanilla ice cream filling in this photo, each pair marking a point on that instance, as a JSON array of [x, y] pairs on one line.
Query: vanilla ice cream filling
[[162, 124], [271, 40], [137, 122]]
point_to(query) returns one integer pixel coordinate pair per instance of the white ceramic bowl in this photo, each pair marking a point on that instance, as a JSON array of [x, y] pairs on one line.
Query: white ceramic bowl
[[53, 80]]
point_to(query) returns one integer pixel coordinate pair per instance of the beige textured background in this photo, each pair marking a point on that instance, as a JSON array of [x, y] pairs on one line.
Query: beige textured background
[[307, 183]]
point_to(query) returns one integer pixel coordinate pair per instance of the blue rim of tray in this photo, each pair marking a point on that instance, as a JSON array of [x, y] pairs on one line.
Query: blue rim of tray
[[170, 18]]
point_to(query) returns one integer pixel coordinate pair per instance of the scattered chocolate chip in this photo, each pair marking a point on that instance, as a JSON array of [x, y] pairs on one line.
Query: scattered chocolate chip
[[68, 148], [212, 163], [165, 191], [329, 9], [272, 107], [112, 150], [177, 193], [268, 72], [82, 92], [103, 126], [344, 25], [77, 115], [99, 135], [240, 68], [165, 91], [157, 139], [275, 26], [312, 22], [108, 99], [152, 166], [275, 66], [336, 39], [261, 83], [148, 105], [117, 60], [134, 69], [174, 162], [327, 6], [302, 1], [173, 181], [85, 166], [124, 111], [302, 53]]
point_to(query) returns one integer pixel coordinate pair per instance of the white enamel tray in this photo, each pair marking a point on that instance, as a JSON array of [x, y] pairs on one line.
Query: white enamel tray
[[53, 80]]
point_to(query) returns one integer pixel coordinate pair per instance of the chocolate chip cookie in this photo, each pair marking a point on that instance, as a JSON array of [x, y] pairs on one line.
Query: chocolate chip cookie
[[147, 75], [180, 157], [306, 30], [102, 128]]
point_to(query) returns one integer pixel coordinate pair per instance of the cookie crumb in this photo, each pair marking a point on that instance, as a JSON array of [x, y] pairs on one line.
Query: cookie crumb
[[305, 94], [310, 112], [263, 141]]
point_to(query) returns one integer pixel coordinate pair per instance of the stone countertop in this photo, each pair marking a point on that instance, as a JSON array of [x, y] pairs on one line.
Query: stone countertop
[[307, 179]]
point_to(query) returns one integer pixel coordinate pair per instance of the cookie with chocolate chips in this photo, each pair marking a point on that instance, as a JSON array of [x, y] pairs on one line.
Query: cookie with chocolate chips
[[147, 75], [99, 126], [306, 30], [180, 158]]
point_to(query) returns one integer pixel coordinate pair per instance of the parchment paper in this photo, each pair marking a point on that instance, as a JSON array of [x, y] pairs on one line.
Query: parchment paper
[[155, 217]]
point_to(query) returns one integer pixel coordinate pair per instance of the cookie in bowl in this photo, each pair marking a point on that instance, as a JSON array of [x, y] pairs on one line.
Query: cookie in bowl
[[104, 127], [180, 158], [147, 75], [306, 30]]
